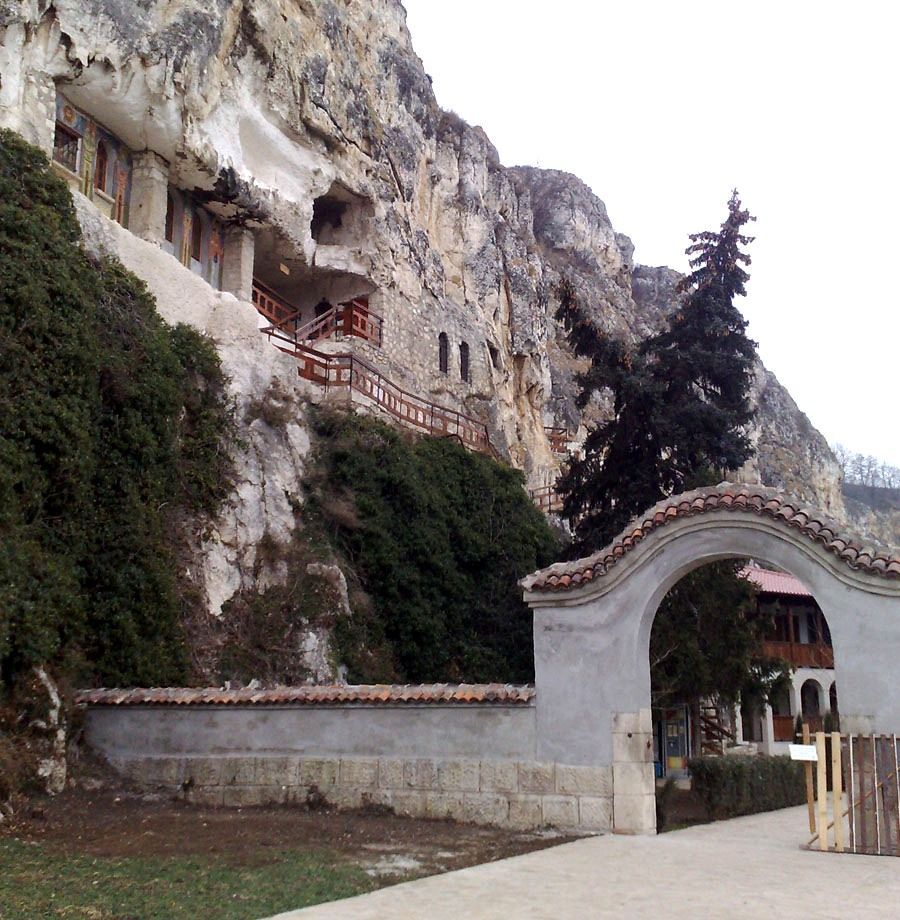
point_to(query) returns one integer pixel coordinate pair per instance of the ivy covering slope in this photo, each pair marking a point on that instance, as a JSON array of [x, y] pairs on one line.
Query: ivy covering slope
[[112, 432], [437, 537]]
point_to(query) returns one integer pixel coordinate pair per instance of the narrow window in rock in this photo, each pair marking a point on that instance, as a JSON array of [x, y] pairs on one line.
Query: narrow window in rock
[[495, 356], [65, 147], [101, 167], [464, 361], [443, 353], [170, 218], [196, 237]]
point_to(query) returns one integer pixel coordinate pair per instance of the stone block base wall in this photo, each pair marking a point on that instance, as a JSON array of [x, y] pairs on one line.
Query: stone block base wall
[[633, 777], [514, 794]]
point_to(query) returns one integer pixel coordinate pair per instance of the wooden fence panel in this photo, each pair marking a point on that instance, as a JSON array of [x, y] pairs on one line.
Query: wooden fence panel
[[887, 797], [867, 768]]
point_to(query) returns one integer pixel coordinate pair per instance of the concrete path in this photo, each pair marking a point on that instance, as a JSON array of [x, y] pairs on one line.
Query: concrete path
[[747, 867]]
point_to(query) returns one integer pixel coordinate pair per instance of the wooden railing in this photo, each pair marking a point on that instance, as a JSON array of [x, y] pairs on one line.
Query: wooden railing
[[350, 371], [351, 318], [800, 655], [274, 308], [360, 321], [559, 439], [547, 499]]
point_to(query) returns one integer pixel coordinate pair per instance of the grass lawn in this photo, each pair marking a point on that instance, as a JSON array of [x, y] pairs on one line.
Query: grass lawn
[[37, 883]]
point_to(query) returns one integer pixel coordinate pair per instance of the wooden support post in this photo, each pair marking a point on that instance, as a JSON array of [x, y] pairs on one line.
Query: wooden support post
[[821, 780], [875, 790], [808, 769], [850, 795], [897, 787], [837, 797], [863, 780]]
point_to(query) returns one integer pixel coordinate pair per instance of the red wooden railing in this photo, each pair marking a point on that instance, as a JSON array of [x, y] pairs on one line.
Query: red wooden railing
[[800, 655], [360, 321], [351, 318], [347, 370], [273, 308], [547, 499], [559, 439]]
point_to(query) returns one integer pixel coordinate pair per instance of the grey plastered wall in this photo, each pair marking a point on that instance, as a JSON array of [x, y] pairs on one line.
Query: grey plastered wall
[[470, 762], [481, 731], [591, 644]]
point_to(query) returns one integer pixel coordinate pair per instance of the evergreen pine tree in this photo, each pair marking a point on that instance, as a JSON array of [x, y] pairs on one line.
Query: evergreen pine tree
[[680, 399], [680, 411]]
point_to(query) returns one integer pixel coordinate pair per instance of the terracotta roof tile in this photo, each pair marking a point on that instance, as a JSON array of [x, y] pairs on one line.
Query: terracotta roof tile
[[373, 694], [876, 560], [771, 582]]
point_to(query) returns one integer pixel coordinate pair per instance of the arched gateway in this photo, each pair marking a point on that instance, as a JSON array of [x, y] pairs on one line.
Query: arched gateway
[[592, 621]]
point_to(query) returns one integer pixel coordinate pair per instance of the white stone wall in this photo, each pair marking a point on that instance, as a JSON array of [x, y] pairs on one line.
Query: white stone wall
[[504, 793]]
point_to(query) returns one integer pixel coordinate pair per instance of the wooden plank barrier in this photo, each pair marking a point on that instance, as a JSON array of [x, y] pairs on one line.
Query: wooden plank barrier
[[808, 770], [822, 790], [837, 792], [866, 768]]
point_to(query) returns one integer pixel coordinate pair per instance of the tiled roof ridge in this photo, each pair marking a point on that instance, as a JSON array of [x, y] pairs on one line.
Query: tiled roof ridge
[[867, 557], [373, 694], [772, 581]]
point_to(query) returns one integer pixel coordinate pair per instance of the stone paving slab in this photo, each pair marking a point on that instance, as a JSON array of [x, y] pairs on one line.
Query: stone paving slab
[[744, 868]]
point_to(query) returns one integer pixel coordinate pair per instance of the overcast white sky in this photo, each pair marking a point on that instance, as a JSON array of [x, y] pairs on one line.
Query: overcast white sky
[[663, 107]]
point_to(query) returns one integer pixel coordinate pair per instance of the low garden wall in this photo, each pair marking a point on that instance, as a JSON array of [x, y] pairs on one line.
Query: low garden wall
[[466, 753]]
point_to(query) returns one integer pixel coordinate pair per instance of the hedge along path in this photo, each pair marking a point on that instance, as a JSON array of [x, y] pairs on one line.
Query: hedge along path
[[731, 787]]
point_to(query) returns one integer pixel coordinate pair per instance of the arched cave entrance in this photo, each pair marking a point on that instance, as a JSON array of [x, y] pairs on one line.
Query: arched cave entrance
[[593, 619]]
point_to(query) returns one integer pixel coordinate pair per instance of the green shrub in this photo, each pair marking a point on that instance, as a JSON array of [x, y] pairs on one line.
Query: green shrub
[[732, 786], [113, 429], [437, 536]]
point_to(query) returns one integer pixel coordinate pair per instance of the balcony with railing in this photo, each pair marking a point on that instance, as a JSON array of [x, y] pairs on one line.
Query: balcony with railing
[[800, 654], [353, 318], [559, 439], [547, 499]]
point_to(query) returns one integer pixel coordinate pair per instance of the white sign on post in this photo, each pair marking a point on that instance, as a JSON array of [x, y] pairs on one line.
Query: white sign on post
[[804, 752]]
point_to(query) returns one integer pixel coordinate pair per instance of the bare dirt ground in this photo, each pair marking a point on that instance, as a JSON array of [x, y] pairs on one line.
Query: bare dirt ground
[[124, 823]]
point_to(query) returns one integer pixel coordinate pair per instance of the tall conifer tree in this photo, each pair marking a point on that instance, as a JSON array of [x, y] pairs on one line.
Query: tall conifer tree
[[680, 398], [680, 411]]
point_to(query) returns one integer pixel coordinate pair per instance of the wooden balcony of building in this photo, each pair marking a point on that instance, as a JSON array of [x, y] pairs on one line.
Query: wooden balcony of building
[[559, 439], [352, 318], [799, 654], [547, 499]]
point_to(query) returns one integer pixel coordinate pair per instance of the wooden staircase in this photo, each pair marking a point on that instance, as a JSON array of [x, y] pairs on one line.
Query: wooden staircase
[[714, 735], [356, 375]]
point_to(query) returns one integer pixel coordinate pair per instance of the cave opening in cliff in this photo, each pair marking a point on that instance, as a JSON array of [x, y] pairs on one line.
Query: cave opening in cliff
[[306, 299], [341, 218], [740, 655]]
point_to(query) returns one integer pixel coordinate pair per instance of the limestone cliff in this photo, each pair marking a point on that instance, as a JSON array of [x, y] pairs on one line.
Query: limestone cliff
[[312, 125]]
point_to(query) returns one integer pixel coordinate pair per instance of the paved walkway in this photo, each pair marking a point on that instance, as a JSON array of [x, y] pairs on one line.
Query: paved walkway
[[747, 867]]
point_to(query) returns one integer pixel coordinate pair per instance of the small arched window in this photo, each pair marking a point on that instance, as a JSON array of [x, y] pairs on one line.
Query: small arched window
[[464, 361], [197, 237], [101, 167], [170, 218], [443, 353]]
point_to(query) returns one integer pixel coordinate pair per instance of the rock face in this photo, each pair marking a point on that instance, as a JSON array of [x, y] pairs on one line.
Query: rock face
[[310, 127]]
